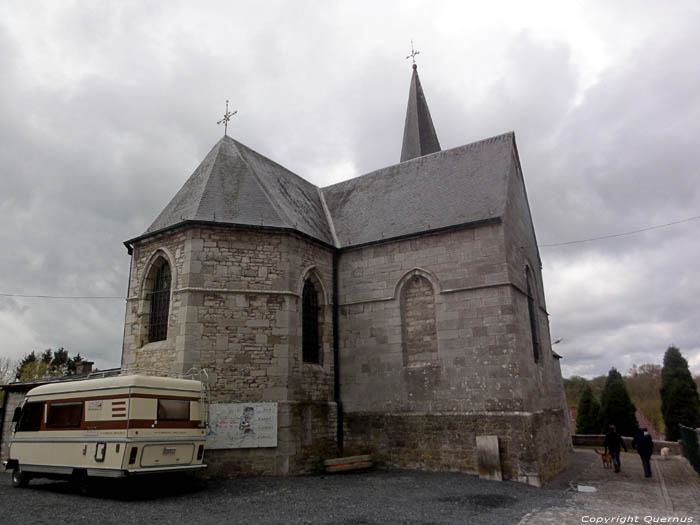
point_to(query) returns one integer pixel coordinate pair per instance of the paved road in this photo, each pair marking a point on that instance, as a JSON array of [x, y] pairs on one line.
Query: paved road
[[368, 497], [673, 491]]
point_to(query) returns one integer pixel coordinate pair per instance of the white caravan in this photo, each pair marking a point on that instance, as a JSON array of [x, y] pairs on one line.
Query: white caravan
[[111, 427]]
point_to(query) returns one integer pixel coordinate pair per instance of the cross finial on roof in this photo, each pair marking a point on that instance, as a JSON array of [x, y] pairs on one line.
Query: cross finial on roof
[[227, 117], [413, 55]]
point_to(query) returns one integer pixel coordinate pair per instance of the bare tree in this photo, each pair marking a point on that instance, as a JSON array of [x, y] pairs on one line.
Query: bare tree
[[7, 370]]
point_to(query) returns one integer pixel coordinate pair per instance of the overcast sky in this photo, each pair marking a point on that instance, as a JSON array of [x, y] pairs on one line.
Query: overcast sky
[[108, 107]]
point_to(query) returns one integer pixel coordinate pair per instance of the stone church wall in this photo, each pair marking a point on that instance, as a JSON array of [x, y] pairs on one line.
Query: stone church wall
[[236, 312], [137, 351], [543, 393], [427, 414]]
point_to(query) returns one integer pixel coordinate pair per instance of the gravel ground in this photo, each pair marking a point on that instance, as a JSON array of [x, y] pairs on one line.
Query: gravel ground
[[376, 496]]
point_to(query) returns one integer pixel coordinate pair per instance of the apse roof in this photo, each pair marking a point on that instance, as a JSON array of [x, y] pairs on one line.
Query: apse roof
[[236, 185]]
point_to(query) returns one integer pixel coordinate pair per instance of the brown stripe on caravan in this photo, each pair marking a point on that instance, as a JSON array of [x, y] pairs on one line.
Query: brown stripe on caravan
[[123, 424]]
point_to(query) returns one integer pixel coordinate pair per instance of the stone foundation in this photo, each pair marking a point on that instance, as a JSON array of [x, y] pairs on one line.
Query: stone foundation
[[530, 449]]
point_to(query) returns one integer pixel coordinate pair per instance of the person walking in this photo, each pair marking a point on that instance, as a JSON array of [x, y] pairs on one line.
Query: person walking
[[645, 446], [613, 442]]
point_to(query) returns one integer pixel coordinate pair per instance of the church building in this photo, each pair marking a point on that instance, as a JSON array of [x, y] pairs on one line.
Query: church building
[[400, 313]]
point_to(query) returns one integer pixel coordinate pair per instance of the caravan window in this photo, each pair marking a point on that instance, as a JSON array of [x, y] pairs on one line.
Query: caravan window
[[62, 415], [173, 410], [32, 415]]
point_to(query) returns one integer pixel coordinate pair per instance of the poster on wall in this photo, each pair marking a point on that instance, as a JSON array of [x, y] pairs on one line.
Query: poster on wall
[[242, 425]]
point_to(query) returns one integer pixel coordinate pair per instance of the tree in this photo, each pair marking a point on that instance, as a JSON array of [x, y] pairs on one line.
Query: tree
[[643, 383], [47, 364], [680, 402], [616, 407], [7, 373], [587, 421], [24, 362]]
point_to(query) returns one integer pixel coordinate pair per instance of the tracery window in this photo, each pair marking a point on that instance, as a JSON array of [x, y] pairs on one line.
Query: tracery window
[[310, 339], [160, 303]]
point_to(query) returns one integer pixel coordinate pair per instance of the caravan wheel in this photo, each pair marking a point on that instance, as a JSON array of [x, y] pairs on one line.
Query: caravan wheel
[[19, 478]]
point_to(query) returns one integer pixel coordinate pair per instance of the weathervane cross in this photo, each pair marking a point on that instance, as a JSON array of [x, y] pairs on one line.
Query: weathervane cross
[[227, 117], [413, 53]]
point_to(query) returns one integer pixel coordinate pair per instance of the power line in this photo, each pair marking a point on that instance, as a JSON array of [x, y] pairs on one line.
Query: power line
[[611, 236], [621, 234], [62, 296]]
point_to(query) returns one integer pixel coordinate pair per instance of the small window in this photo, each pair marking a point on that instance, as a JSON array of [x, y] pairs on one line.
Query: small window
[[65, 415], [173, 410], [309, 324], [32, 416]]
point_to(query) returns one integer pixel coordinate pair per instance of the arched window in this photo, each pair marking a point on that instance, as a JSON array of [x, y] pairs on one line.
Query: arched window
[[160, 302], [418, 327], [532, 311], [309, 321]]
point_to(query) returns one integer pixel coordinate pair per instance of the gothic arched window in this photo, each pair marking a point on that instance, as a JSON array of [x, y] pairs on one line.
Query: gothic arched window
[[160, 302], [309, 321], [418, 327], [532, 311]]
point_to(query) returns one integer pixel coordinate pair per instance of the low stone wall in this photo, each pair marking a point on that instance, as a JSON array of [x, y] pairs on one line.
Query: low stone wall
[[596, 440], [447, 442]]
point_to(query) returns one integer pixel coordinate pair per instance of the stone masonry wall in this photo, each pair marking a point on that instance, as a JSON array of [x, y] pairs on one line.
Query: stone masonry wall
[[483, 379], [238, 314], [445, 441], [474, 316], [418, 322], [543, 390], [137, 352]]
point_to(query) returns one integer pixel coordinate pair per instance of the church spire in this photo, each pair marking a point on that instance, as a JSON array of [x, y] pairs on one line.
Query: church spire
[[419, 137]]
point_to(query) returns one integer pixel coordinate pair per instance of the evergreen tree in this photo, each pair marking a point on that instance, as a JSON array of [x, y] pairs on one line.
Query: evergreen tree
[[616, 407], [47, 364], [25, 361], [587, 421], [680, 402]]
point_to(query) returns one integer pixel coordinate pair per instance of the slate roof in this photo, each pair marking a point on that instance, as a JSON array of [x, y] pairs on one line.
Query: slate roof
[[236, 185], [449, 188], [419, 137]]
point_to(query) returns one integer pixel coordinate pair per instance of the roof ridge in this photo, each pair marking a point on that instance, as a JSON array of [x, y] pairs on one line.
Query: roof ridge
[[208, 173], [275, 206], [329, 218], [248, 148], [463, 147]]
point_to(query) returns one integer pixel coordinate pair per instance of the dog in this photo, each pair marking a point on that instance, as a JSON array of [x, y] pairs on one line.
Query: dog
[[605, 457], [665, 452]]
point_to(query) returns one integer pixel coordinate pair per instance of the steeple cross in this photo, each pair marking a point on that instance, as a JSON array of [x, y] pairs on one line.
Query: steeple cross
[[227, 117], [413, 53]]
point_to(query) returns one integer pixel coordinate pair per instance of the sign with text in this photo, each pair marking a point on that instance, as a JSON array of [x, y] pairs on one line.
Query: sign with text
[[242, 425]]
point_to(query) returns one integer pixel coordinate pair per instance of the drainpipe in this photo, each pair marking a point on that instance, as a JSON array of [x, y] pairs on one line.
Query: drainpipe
[[130, 251], [336, 356]]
